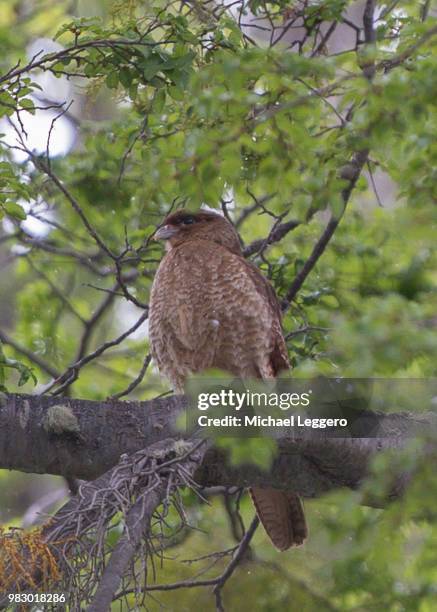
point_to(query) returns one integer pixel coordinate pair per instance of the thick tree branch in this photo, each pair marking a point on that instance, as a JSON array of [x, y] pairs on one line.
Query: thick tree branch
[[137, 523], [84, 439]]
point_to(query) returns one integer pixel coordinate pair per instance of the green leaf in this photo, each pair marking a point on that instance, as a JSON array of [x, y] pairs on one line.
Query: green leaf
[[28, 105], [176, 93], [15, 210], [26, 373], [151, 67], [125, 76], [112, 80], [159, 100]]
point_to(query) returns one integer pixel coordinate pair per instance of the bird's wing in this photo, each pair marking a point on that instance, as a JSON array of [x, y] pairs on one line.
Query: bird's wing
[[279, 354]]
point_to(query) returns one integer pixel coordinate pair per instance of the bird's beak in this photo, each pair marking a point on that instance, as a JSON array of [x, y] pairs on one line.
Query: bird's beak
[[165, 232]]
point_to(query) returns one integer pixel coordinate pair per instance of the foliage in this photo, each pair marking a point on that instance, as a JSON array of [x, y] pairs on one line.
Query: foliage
[[24, 371]]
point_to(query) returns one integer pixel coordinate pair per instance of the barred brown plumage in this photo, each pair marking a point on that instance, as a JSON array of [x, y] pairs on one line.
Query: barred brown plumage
[[209, 307]]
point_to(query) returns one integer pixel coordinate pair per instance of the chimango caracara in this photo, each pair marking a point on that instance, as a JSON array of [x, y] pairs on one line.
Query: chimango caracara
[[210, 308]]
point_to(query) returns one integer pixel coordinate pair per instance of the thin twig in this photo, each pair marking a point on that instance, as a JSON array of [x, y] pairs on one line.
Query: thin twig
[[136, 381], [239, 555], [72, 373], [33, 357]]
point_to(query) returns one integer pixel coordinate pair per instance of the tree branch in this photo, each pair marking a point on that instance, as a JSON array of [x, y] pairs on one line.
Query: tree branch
[[398, 60], [137, 523], [84, 439], [77, 532], [237, 558], [71, 374], [275, 235], [32, 357], [350, 173]]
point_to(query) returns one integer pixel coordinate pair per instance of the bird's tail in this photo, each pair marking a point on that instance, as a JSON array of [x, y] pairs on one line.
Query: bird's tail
[[282, 516]]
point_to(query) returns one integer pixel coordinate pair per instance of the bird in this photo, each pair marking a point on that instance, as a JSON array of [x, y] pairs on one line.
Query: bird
[[211, 308]]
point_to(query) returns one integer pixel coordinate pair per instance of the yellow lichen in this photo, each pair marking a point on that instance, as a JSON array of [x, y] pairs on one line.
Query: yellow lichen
[[27, 561]]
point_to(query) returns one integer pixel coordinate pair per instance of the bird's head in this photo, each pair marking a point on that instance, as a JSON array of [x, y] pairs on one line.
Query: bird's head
[[183, 226]]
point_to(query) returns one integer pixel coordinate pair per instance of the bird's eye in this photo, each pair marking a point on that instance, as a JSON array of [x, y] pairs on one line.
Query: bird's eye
[[188, 220]]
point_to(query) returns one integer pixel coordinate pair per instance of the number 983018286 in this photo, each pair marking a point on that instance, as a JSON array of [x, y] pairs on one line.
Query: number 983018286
[[37, 598]]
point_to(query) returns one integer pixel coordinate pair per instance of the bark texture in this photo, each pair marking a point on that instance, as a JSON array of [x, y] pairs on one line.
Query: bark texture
[[84, 439]]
